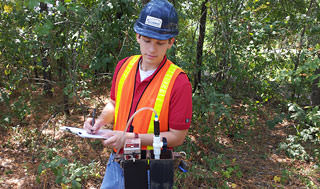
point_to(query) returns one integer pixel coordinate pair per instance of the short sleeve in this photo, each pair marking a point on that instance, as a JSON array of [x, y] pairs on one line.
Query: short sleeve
[[114, 78], [180, 112]]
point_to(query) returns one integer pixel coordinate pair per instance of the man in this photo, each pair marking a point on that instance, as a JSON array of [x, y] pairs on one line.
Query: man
[[147, 80]]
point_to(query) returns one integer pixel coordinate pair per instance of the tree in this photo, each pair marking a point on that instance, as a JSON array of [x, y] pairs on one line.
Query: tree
[[202, 32], [315, 94]]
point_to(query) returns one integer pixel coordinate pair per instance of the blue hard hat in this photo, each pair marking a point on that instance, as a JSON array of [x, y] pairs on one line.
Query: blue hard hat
[[158, 20]]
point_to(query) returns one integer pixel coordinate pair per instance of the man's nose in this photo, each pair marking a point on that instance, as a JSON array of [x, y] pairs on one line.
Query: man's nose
[[152, 47]]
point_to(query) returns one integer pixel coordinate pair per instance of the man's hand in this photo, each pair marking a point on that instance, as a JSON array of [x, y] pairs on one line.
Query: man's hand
[[115, 139], [106, 117], [92, 129]]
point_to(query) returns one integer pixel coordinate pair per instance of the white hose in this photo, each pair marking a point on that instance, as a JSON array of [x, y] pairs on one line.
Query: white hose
[[130, 120]]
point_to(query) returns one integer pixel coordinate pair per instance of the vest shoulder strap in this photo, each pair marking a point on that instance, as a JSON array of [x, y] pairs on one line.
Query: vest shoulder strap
[[132, 60]]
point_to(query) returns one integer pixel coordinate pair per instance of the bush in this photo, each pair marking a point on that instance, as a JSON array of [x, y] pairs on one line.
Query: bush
[[66, 172], [307, 125]]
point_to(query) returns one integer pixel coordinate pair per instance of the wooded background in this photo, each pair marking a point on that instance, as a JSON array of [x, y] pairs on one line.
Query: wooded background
[[247, 52]]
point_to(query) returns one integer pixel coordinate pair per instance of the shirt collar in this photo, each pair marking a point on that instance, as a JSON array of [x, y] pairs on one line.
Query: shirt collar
[[164, 60]]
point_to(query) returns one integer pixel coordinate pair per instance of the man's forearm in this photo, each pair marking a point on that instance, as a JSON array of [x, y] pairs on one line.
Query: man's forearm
[[174, 137], [107, 114]]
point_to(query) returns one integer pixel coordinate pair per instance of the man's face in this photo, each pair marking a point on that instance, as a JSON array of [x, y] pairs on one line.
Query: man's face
[[153, 50]]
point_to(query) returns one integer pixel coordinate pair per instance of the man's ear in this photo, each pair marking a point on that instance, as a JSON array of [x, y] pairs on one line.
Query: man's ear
[[171, 42], [138, 37]]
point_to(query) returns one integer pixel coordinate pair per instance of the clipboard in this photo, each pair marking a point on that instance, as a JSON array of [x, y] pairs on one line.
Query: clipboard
[[83, 133]]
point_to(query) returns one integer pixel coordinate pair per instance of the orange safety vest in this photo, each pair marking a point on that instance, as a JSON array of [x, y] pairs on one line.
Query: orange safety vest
[[156, 95]]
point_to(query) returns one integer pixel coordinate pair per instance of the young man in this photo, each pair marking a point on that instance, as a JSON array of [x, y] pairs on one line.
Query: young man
[[147, 80]]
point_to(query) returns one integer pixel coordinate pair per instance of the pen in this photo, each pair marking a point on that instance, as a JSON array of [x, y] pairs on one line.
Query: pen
[[93, 118]]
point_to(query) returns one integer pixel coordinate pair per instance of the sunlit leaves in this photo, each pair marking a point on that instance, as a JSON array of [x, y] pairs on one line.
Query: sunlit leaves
[[7, 8], [7, 70], [277, 179]]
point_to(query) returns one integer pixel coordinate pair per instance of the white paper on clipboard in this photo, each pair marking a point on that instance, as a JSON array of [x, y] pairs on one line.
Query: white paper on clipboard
[[83, 133]]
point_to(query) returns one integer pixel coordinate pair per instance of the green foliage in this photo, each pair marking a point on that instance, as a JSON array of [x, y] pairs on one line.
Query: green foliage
[[294, 149], [209, 171], [227, 168], [256, 52], [65, 172], [4, 117], [83, 39], [210, 100], [306, 118], [308, 133], [276, 120], [61, 45]]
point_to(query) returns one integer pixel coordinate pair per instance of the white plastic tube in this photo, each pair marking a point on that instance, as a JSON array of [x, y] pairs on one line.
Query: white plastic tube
[[130, 120]]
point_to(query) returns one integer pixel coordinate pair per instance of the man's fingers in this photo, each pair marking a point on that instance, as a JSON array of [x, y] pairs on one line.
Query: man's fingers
[[88, 127], [109, 141], [108, 134], [112, 142]]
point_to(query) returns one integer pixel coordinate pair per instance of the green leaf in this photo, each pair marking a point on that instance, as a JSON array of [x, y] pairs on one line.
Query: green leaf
[[7, 72], [75, 185], [61, 8], [59, 179], [32, 3], [40, 169], [64, 161]]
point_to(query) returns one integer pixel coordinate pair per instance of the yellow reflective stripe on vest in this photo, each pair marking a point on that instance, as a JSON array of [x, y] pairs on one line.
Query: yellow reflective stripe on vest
[[120, 85], [160, 97]]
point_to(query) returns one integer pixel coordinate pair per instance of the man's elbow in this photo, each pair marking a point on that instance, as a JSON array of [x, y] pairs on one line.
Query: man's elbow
[[178, 142], [178, 137]]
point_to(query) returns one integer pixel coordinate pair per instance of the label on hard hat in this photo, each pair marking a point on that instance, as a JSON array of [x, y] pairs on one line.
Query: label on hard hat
[[152, 21]]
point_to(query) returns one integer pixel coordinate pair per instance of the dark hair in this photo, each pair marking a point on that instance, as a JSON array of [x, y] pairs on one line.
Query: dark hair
[[139, 35]]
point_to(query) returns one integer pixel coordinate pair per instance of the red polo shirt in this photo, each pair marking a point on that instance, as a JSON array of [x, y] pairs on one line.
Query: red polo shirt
[[180, 112]]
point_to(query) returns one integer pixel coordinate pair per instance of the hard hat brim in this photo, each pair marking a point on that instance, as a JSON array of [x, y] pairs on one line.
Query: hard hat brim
[[152, 32]]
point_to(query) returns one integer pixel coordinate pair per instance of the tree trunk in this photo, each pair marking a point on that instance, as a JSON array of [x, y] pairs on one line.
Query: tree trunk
[[315, 95], [36, 75], [62, 71], [63, 80], [47, 87], [202, 32]]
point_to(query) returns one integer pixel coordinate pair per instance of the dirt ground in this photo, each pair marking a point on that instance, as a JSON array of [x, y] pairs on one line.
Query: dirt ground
[[261, 164]]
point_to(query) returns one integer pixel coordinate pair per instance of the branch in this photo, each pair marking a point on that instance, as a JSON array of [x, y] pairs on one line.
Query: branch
[[44, 80], [44, 126], [126, 37]]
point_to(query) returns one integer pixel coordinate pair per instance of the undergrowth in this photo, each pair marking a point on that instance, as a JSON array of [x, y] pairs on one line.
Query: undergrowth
[[217, 147]]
